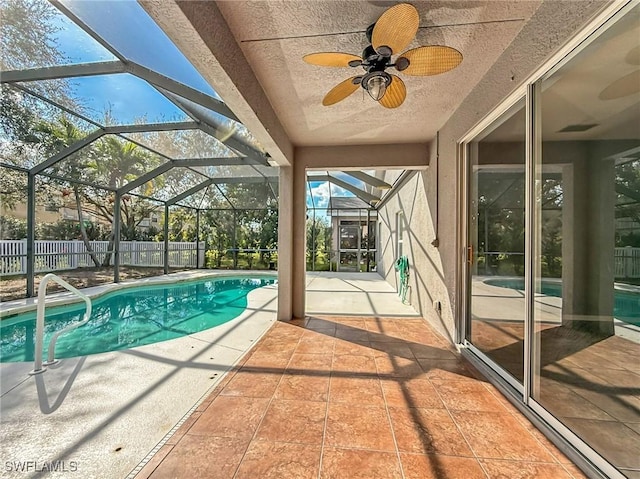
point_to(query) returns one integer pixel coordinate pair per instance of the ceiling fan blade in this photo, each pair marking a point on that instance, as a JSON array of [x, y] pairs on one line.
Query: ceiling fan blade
[[396, 28], [331, 59], [339, 92], [395, 94], [431, 60]]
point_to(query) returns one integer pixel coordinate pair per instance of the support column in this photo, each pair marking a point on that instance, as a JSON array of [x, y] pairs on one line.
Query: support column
[[299, 233], [116, 238], [166, 238], [368, 245], [285, 243], [197, 238], [31, 234], [235, 239]]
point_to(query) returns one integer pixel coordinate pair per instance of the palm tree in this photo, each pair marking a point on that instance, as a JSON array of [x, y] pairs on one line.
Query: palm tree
[[114, 162], [110, 162], [55, 137]]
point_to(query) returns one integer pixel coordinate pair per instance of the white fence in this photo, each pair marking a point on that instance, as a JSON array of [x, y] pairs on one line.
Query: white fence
[[64, 255], [61, 255], [627, 262]]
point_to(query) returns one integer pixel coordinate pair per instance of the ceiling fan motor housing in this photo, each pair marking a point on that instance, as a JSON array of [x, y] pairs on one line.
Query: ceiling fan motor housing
[[374, 61]]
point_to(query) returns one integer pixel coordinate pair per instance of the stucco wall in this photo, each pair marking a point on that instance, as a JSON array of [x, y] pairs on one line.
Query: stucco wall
[[433, 270], [426, 281]]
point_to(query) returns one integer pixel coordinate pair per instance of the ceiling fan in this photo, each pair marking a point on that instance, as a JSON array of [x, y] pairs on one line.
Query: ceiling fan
[[390, 35]]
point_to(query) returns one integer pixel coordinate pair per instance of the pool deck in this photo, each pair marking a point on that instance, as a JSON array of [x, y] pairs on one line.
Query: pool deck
[[372, 393], [106, 413]]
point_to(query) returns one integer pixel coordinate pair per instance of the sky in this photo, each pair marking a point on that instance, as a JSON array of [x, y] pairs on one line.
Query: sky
[[322, 191], [126, 27]]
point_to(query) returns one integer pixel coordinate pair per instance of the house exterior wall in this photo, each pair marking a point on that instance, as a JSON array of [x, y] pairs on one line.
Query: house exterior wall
[[433, 271], [426, 281], [42, 214]]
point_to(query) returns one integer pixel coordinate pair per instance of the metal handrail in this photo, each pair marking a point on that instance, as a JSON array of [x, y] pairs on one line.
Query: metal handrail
[[42, 292]]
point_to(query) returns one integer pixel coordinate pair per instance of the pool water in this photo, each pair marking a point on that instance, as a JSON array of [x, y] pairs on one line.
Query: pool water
[[131, 317], [626, 303]]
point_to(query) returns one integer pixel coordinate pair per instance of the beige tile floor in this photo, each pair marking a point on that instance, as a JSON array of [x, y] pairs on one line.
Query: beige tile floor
[[591, 384], [356, 397]]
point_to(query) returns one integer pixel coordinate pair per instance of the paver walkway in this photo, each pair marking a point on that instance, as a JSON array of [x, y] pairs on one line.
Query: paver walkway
[[351, 397]]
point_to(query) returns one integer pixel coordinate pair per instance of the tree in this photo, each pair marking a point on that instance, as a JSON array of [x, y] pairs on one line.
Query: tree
[[111, 162], [182, 224], [33, 130], [318, 238], [55, 137], [269, 231], [218, 230], [114, 162], [628, 190], [12, 228], [28, 30]]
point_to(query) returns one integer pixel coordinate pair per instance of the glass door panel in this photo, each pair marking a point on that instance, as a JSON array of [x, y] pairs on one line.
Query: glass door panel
[[496, 309], [348, 261], [349, 237], [587, 247], [349, 246]]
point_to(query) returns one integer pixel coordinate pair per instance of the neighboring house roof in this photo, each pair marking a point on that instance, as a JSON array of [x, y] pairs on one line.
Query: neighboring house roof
[[347, 203], [349, 207]]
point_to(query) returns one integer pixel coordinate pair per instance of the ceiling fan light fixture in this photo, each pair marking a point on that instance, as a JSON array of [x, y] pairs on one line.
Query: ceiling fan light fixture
[[376, 84]]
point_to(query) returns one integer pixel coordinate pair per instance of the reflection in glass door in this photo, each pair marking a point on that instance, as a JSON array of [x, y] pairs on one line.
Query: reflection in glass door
[[582, 306], [496, 306], [586, 308]]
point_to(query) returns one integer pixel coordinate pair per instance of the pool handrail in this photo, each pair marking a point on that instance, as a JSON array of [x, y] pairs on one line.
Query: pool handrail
[[42, 293]]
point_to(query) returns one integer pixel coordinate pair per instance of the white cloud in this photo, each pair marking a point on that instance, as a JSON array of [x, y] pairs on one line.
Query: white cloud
[[320, 193], [323, 191], [338, 191]]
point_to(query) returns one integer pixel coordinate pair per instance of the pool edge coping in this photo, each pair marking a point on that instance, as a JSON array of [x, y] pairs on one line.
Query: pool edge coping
[[11, 308]]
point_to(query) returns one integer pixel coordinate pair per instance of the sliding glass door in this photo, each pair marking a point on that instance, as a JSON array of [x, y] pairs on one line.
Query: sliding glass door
[[553, 246], [586, 309], [496, 242]]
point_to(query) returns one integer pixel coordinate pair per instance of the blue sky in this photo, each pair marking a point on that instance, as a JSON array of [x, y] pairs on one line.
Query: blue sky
[[322, 191], [127, 27]]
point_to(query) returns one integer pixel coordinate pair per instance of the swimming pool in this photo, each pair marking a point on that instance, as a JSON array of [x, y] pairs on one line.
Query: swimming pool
[[132, 317], [626, 301]]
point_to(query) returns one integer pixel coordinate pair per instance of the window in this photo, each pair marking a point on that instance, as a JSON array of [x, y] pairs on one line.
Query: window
[[400, 233]]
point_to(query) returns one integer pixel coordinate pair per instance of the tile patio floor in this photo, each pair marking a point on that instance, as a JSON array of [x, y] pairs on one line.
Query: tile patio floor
[[590, 383], [355, 397]]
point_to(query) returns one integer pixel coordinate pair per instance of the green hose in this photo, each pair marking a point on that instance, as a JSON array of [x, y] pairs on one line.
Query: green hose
[[402, 266]]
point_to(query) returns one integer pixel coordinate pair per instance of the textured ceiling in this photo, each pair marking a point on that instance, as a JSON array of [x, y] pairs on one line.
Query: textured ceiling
[[481, 30]]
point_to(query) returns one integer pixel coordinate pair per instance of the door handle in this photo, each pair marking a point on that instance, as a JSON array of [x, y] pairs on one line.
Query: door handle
[[470, 254]]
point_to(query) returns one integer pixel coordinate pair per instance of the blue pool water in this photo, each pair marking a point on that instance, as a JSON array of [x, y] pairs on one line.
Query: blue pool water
[[626, 303], [131, 317]]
